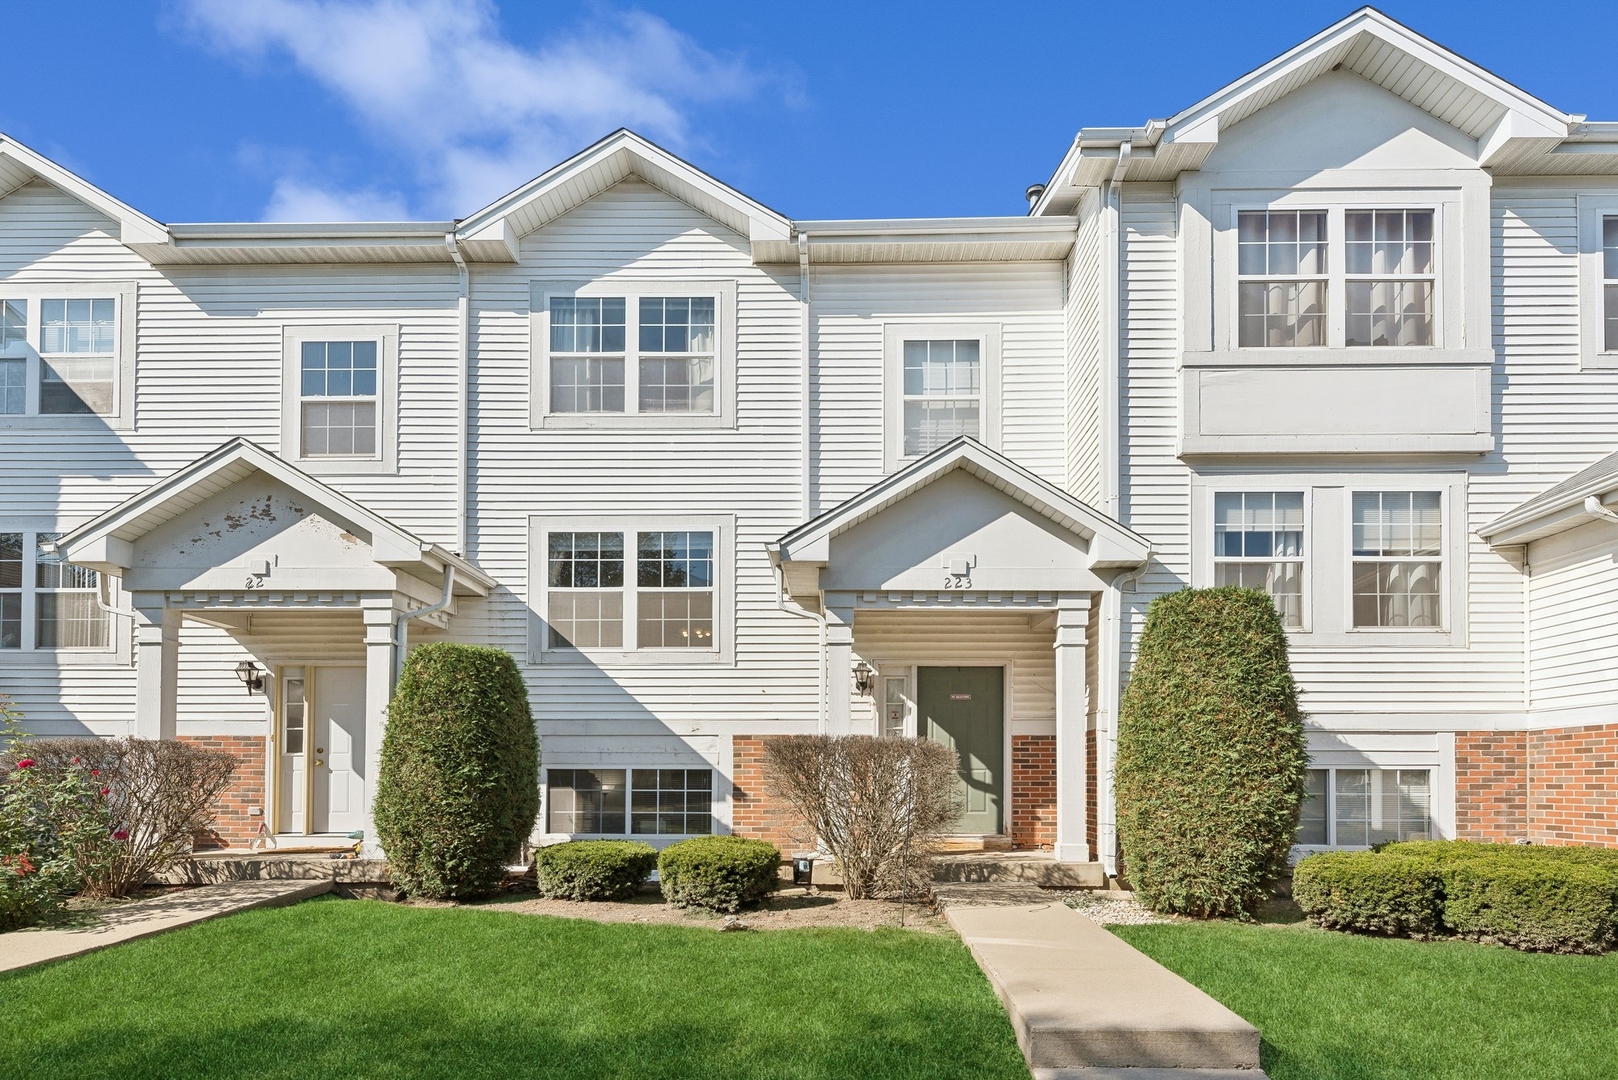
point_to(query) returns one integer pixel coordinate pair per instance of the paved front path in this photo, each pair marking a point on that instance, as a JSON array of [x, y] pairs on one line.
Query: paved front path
[[143, 918], [1082, 999]]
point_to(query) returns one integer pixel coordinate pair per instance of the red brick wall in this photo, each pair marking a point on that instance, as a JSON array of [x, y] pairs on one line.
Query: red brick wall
[[1573, 786], [753, 810], [1491, 785], [233, 827], [1551, 787], [1033, 791]]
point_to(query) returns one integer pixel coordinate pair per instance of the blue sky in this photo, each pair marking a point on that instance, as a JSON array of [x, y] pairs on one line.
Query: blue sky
[[242, 110]]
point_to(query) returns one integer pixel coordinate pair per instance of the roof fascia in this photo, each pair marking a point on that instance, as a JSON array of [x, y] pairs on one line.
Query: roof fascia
[[134, 227], [1528, 522]]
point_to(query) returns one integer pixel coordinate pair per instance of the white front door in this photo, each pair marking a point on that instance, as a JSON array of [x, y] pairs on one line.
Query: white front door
[[338, 753]]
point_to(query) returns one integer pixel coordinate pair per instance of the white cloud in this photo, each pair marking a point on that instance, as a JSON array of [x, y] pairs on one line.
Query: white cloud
[[435, 81], [299, 200]]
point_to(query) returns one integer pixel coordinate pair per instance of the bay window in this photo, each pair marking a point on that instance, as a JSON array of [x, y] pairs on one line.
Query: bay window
[[1281, 273], [1389, 277]]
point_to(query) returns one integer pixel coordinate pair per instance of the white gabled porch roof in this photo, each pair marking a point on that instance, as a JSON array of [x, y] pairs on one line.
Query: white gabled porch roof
[[1108, 544], [1558, 509], [107, 543]]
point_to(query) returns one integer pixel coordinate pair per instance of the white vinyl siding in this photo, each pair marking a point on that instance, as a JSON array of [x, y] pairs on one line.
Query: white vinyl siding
[[1573, 620]]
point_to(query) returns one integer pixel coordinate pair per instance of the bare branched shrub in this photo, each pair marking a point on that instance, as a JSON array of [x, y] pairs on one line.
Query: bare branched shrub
[[877, 805], [160, 794]]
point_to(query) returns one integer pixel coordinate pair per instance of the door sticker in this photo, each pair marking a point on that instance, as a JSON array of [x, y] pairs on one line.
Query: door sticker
[[960, 697]]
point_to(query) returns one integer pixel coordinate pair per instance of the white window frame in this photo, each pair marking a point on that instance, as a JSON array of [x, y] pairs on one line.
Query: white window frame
[[723, 294], [540, 650], [1306, 571], [1328, 601], [894, 336], [386, 336], [1434, 802], [629, 770], [1593, 354], [1446, 559], [33, 294], [118, 651], [1449, 284]]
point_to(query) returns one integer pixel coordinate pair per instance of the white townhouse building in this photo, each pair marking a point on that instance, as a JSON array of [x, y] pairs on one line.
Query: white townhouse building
[[1345, 330]]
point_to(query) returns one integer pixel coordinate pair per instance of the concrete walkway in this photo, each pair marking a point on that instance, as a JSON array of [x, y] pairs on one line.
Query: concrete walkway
[[1087, 1006], [143, 918]]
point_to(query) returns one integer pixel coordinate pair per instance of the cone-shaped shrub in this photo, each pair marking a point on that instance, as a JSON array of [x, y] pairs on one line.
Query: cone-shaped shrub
[[459, 786], [1211, 761]]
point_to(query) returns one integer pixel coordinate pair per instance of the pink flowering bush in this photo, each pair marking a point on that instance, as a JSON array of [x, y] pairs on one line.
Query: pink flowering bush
[[54, 827]]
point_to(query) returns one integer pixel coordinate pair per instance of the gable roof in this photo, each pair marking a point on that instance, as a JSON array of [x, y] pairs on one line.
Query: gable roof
[[1507, 122], [1112, 545], [1556, 509], [106, 542], [21, 165], [492, 233]]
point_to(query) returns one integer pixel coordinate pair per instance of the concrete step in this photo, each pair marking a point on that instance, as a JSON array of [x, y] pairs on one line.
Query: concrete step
[[1033, 867], [994, 842], [351, 877], [952, 893], [1081, 998]]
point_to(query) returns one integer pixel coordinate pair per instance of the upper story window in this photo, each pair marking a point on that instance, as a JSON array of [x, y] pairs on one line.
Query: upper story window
[[943, 393], [1356, 278], [338, 399], [940, 381], [1282, 286], [60, 356], [1389, 277], [650, 354], [1398, 559], [1259, 544], [47, 604], [339, 411], [1609, 284]]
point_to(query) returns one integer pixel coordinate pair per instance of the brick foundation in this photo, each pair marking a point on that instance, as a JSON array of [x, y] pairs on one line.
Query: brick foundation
[[233, 826], [1033, 791], [753, 810], [1558, 786], [1090, 794]]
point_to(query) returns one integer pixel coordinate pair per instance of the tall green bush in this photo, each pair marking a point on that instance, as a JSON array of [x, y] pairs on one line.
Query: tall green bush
[[1211, 762], [459, 786]]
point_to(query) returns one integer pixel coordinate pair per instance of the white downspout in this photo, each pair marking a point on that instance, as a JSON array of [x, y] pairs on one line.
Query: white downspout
[[805, 378], [463, 393], [1110, 673], [401, 623]]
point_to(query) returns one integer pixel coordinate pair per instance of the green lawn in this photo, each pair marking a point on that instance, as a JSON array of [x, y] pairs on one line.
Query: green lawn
[[358, 989], [1336, 1006]]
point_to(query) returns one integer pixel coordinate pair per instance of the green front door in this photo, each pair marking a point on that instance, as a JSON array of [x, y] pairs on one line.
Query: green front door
[[964, 708]]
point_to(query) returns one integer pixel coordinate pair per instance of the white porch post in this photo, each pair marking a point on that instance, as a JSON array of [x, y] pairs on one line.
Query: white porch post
[[1072, 616], [157, 661], [839, 669], [378, 615]]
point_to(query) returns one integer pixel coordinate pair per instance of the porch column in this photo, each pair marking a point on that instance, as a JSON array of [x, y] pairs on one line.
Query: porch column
[[1072, 616], [157, 661], [378, 616], [839, 669]]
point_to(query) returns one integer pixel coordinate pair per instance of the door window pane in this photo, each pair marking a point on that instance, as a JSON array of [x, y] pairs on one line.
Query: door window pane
[[585, 801], [292, 711], [893, 706]]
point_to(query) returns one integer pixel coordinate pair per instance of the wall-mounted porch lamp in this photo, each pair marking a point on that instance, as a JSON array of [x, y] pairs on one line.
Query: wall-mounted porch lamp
[[864, 679], [251, 677]]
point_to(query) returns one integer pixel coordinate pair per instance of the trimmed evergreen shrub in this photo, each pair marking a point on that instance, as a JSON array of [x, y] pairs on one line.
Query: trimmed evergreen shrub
[[459, 786], [1371, 893], [1532, 904], [594, 869], [1211, 761], [720, 873]]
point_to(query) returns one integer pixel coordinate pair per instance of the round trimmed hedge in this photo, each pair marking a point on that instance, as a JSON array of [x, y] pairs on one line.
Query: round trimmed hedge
[[720, 873], [1211, 761], [594, 869], [459, 785]]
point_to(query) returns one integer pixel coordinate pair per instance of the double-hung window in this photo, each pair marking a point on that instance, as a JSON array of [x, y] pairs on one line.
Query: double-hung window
[[1281, 273], [1259, 544], [639, 802], [943, 393], [1360, 807], [338, 399], [61, 355], [1398, 559], [644, 591], [46, 603], [649, 353], [1354, 277]]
